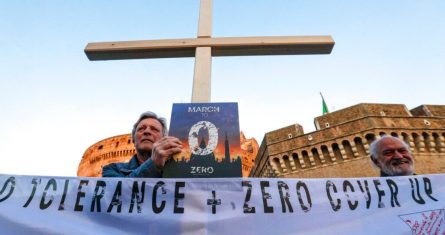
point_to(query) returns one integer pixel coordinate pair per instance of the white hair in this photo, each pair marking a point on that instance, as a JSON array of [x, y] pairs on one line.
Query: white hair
[[374, 147], [149, 114]]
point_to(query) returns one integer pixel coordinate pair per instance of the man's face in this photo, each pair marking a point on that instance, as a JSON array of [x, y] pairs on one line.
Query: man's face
[[394, 158], [148, 131]]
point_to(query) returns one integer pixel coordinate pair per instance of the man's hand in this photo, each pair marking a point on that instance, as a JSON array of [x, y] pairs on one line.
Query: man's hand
[[164, 149]]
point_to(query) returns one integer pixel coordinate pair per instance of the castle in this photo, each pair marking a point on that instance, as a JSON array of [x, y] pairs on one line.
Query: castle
[[340, 145]]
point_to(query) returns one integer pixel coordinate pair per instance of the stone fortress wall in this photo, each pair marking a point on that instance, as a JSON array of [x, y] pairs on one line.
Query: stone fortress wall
[[340, 145]]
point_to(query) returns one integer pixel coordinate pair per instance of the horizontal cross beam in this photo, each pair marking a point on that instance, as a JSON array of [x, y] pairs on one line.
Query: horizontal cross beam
[[224, 46]]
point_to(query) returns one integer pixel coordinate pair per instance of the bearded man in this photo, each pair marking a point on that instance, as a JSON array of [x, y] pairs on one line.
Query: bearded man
[[392, 156]]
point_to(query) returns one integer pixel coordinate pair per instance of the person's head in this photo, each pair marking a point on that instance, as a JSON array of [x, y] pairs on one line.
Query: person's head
[[148, 129], [392, 155]]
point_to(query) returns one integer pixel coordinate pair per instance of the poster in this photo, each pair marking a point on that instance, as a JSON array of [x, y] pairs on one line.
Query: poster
[[210, 136]]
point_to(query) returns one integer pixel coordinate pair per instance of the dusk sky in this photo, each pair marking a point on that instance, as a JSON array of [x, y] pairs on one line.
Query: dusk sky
[[56, 103]]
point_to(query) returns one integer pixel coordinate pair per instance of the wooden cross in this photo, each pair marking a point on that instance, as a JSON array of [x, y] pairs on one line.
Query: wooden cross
[[204, 47]]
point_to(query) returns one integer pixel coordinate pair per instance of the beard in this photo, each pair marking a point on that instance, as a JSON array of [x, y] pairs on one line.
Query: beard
[[396, 170]]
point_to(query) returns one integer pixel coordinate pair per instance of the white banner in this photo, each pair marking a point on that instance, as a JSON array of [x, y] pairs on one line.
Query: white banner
[[64, 205]]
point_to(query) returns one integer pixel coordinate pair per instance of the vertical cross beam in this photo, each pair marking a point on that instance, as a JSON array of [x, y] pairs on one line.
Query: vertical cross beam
[[203, 56], [205, 19]]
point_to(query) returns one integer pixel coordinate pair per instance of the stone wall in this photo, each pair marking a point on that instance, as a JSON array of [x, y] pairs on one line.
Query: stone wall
[[429, 110], [114, 149], [360, 111]]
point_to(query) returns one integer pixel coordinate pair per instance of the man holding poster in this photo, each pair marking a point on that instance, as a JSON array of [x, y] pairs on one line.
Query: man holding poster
[[153, 149]]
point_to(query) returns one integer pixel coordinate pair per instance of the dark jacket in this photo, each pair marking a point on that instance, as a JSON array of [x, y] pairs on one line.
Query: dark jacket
[[383, 174], [131, 169]]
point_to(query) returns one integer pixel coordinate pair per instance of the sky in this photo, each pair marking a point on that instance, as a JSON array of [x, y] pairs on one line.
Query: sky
[[55, 103]]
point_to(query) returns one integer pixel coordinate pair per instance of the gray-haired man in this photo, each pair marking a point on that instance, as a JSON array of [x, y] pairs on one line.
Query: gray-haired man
[[153, 149], [392, 156]]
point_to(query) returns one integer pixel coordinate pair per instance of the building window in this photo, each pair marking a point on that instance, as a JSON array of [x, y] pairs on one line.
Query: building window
[[250, 148], [426, 122], [327, 124], [289, 135], [100, 147]]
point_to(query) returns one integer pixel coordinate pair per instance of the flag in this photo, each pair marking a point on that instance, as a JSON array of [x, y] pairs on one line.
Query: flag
[[325, 106]]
